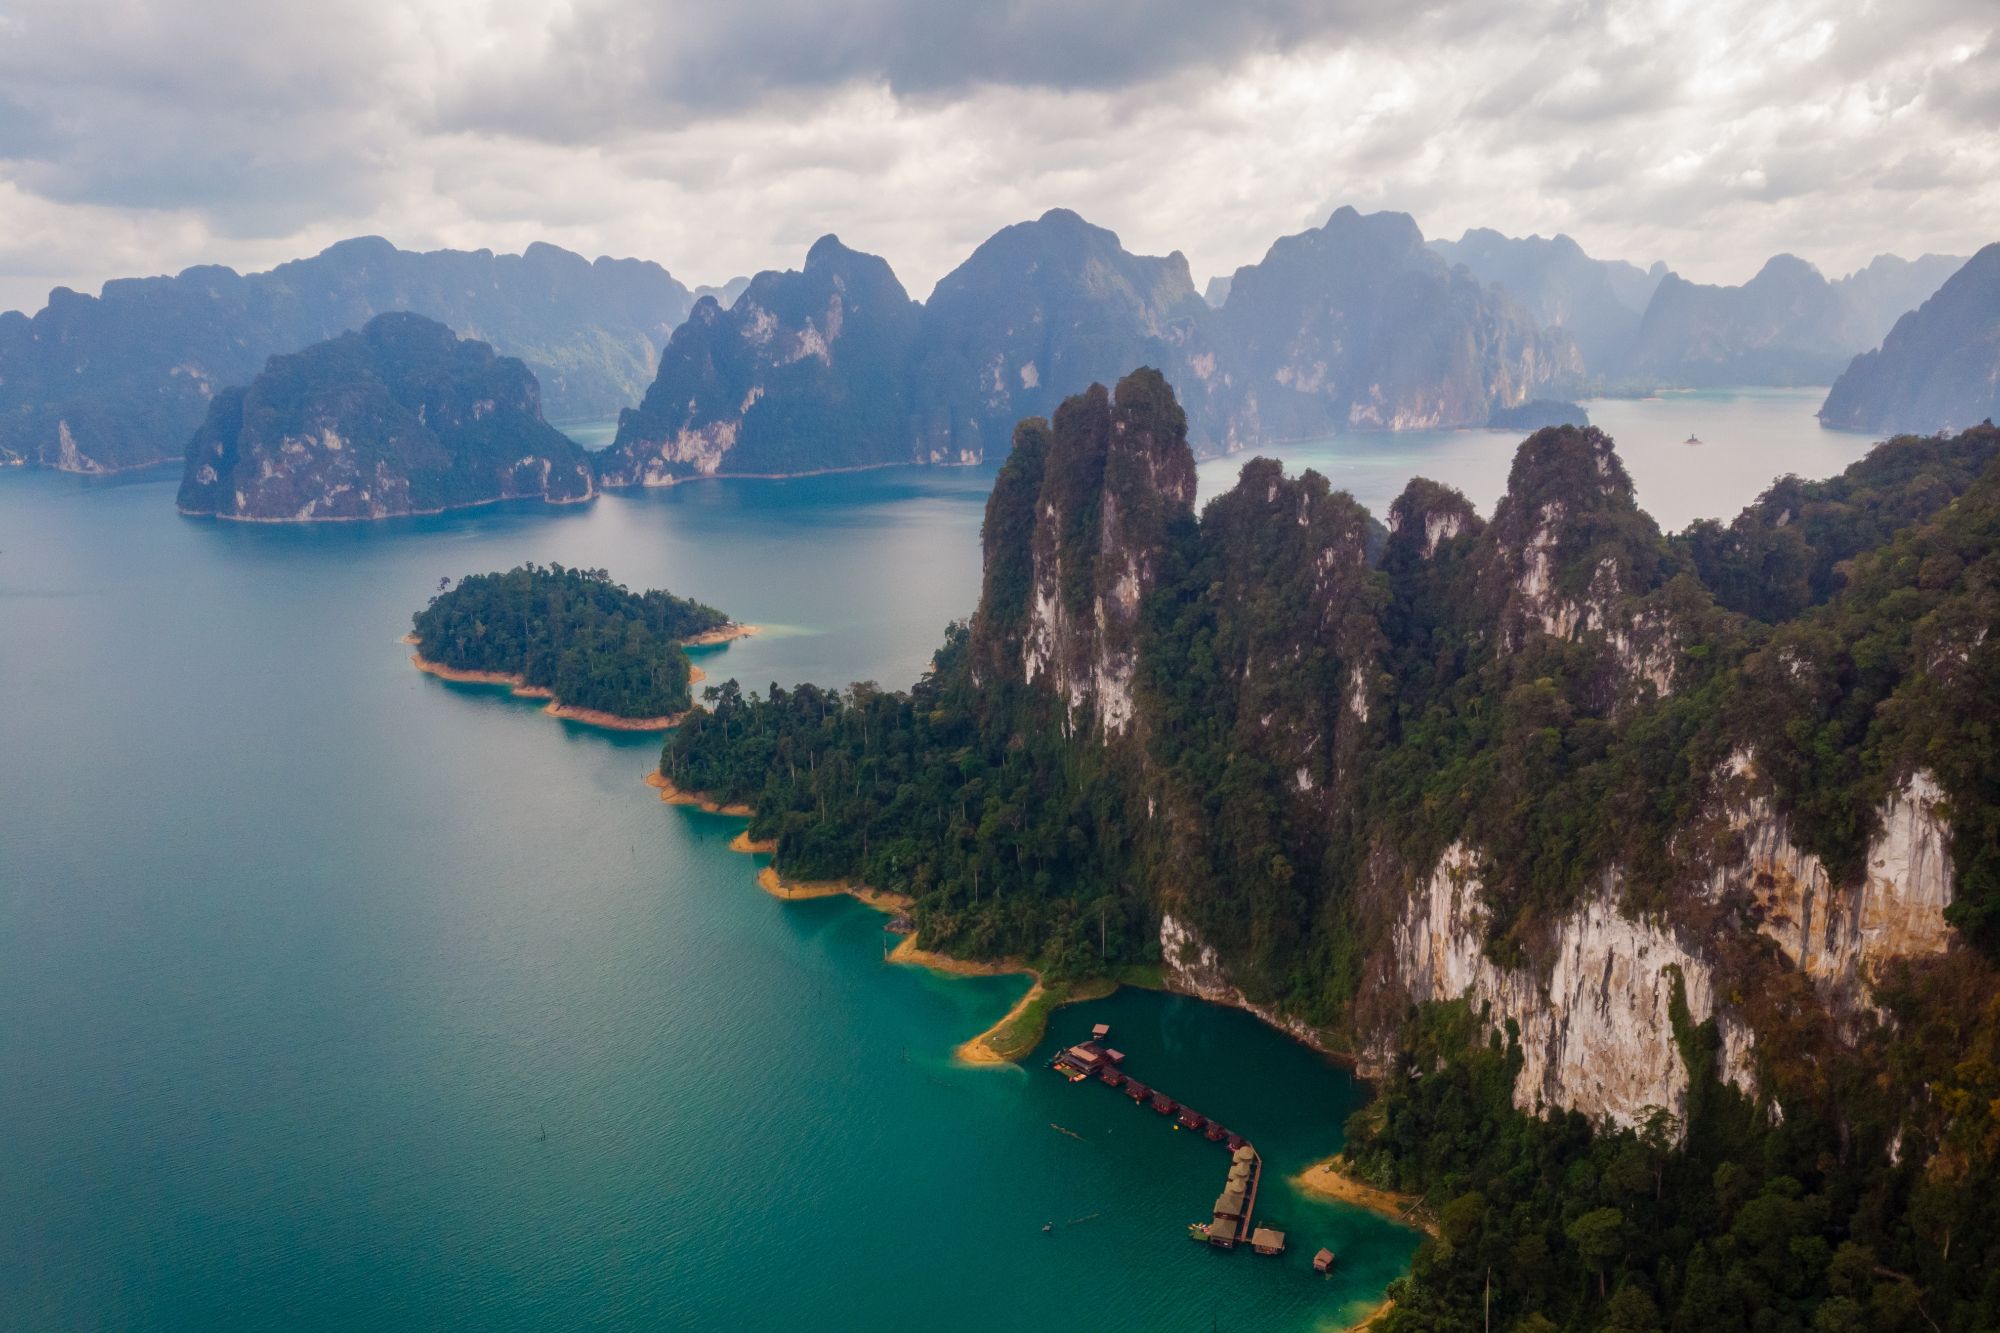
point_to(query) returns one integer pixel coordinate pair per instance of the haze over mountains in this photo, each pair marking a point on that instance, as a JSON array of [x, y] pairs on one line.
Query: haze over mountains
[[1649, 328], [1357, 324], [1939, 367], [99, 384]]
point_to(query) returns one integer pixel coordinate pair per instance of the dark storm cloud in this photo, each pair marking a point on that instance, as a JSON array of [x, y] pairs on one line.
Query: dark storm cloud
[[606, 60]]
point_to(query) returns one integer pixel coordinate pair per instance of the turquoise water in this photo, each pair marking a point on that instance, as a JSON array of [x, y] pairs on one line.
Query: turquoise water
[[302, 952], [333, 995]]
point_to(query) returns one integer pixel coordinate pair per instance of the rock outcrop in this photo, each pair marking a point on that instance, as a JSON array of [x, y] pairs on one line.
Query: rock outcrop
[[1839, 934], [1117, 474], [1595, 1022], [400, 418], [804, 372], [1042, 310], [1938, 369]]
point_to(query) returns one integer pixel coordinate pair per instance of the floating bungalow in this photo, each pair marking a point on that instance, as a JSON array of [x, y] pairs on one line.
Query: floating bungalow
[[1323, 1262], [1079, 1062], [1229, 1223]]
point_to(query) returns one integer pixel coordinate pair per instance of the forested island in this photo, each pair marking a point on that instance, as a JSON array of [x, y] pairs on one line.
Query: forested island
[[401, 417], [599, 652], [1656, 880]]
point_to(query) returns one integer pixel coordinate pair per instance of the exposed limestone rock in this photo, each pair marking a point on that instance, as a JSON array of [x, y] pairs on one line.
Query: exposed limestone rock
[[805, 371], [1840, 935], [1596, 1032], [1191, 967], [1114, 474], [399, 418]]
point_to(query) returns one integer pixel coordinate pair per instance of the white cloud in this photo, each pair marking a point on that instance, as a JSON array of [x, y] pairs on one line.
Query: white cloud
[[139, 136]]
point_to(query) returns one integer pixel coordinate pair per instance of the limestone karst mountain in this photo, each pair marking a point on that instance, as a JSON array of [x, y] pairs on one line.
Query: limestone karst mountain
[[399, 418]]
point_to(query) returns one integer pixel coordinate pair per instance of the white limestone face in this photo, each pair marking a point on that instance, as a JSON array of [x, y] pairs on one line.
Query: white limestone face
[[1596, 1031], [1841, 935]]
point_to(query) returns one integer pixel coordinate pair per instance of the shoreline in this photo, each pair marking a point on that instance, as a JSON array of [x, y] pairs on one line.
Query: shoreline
[[671, 482], [709, 638], [555, 708], [1328, 1178], [673, 795], [1016, 1033], [356, 518], [988, 1048]]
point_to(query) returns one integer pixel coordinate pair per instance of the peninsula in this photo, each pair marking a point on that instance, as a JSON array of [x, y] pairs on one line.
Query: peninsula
[[1524, 811]]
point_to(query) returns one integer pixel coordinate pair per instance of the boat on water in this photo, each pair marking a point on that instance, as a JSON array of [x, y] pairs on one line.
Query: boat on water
[[1692, 439]]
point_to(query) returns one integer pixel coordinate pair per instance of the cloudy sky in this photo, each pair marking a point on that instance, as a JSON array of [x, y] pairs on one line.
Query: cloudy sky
[[723, 136]]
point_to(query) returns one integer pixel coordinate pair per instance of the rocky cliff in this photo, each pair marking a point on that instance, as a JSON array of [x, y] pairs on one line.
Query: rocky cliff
[[1939, 367], [400, 418], [1116, 475], [1518, 813], [100, 384], [1042, 310], [804, 372]]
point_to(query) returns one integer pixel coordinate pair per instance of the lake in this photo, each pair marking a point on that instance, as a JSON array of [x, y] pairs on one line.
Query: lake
[[333, 995]]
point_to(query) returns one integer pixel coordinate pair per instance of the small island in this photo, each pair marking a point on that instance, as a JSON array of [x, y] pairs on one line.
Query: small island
[[402, 417], [598, 652]]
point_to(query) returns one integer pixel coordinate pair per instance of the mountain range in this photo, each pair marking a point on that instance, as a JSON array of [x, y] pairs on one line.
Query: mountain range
[[1353, 325], [105, 383], [1356, 324], [1652, 328]]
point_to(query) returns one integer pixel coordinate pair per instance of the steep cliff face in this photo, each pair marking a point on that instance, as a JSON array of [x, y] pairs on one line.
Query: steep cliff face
[[805, 371], [400, 418], [1596, 1024], [1356, 326], [99, 384], [1117, 475], [1039, 311], [1938, 368], [1839, 934]]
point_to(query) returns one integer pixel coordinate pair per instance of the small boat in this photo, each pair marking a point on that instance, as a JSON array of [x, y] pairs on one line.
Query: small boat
[[1692, 439]]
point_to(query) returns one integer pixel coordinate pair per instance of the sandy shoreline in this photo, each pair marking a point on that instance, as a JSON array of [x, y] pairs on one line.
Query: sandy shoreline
[[1328, 1178], [523, 690], [723, 635], [673, 795], [983, 1049]]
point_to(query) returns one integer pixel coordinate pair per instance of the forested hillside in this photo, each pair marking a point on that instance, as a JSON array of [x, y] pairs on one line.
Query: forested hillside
[[1713, 871], [590, 642]]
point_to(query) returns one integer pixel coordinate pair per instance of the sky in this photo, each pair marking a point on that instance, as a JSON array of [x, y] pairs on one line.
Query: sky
[[721, 137]]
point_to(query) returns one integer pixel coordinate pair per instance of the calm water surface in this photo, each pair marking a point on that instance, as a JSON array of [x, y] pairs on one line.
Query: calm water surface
[[1749, 437], [332, 995]]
